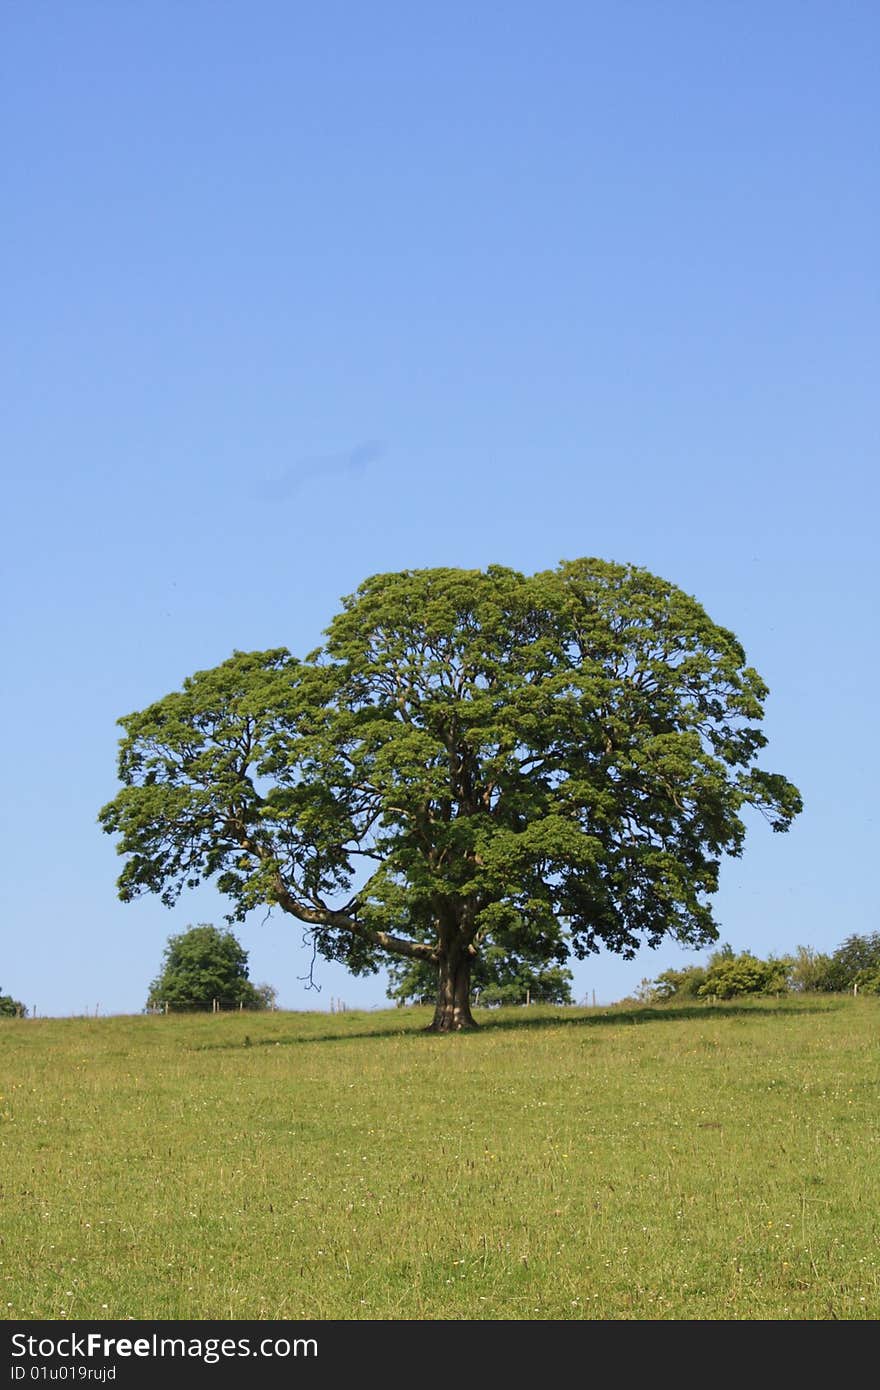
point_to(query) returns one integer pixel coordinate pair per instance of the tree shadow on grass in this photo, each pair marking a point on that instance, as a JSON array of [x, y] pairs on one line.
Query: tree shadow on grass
[[575, 1019], [624, 1018]]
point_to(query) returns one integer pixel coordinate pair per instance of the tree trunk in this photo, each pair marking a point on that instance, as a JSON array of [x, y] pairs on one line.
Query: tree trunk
[[452, 1013]]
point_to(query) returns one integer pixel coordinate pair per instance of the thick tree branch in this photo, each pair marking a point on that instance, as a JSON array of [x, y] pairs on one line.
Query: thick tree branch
[[341, 921]]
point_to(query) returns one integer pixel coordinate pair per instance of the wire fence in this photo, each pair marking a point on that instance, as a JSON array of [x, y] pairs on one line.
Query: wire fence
[[208, 1006]]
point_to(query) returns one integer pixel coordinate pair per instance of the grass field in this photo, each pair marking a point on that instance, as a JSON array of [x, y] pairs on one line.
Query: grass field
[[629, 1163]]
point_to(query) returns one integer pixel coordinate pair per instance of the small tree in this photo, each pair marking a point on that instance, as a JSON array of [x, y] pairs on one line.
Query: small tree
[[676, 984], [810, 972], [11, 1008], [855, 962], [268, 994], [201, 965]]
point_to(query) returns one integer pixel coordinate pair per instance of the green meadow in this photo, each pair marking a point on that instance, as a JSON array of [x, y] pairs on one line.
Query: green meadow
[[704, 1162]]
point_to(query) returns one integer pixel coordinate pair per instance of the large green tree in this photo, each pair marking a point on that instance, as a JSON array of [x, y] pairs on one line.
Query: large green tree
[[470, 753]]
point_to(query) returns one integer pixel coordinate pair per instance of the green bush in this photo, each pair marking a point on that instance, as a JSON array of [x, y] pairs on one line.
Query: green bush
[[729, 976], [11, 1008], [678, 984], [867, 982], [855, 965], [724, 976]]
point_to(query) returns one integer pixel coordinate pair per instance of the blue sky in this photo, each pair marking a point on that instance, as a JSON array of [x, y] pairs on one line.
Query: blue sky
[[294, 294]]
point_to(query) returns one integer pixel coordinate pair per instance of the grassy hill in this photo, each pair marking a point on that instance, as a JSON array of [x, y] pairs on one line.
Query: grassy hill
[[630, 1163]]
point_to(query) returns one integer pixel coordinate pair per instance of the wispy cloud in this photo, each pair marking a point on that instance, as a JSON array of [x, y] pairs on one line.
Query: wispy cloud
[[350, 463]]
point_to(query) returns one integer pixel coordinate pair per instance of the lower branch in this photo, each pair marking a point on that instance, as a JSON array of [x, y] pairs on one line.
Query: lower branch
[[341, 921]]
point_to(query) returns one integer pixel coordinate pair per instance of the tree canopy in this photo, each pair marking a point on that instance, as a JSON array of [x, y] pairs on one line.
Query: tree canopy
[[470, 753], [203, 966]]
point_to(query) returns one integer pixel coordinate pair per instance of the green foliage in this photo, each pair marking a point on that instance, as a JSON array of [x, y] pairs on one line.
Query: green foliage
[[11, 1008], [677, 984], [855, 962], [545, 984], [728, 976], [470, 755], [204, 964], [267, 996], [810, 972], [855, 965]]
